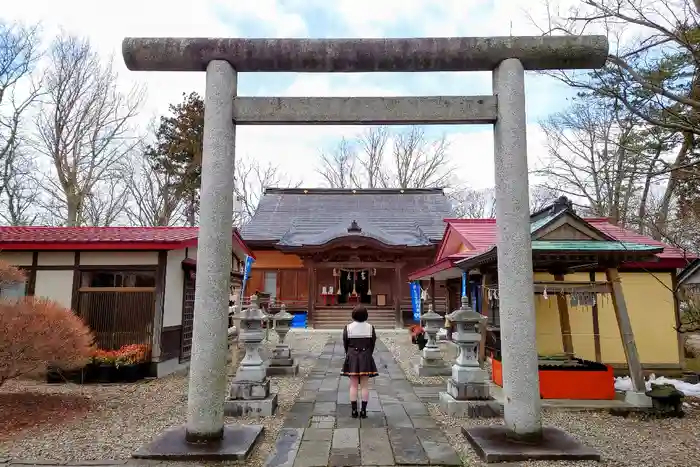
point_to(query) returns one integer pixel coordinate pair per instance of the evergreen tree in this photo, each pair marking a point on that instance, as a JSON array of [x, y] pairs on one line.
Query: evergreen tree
[[177, 151]]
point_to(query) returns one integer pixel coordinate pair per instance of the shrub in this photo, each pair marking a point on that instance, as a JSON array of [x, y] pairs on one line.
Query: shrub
[[37, 332], [132, 354], [104, 357], [10, 275]]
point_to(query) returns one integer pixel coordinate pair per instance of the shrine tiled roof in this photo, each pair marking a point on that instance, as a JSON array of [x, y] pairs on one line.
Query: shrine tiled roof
[[292, 217]]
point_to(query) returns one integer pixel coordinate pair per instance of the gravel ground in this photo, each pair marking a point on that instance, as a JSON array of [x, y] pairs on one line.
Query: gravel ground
[[621, 441], [124, 417], [408, 355], [628, 442]]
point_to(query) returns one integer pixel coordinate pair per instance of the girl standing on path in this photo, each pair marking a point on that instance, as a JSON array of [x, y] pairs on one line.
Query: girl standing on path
[[359, 339]]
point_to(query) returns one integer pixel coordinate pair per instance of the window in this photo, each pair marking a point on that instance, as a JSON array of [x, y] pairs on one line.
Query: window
[[270, 286], [118, 279]]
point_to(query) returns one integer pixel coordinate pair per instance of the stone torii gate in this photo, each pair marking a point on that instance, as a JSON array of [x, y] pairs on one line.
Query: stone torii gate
[[224, 58]]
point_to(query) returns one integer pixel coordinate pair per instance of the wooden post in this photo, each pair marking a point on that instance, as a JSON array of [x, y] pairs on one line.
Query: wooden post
[[398, 316], [626, 333], [485, 298], [564, 321], [596, 324], [432, 294], [312, 293], [482, 344]]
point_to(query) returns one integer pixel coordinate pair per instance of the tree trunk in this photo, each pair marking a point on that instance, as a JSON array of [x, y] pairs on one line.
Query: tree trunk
[[665, 206]]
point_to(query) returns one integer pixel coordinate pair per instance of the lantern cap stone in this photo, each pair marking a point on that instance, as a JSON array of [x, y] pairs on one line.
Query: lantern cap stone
[[430, 315], [283, 315], [465, 314]]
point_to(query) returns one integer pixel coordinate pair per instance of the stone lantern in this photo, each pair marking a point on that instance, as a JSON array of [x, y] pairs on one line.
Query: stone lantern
[[283, 321], [431, 362], [282, 362], [468, 388], [251, 336], [250, 389], [467, 336]]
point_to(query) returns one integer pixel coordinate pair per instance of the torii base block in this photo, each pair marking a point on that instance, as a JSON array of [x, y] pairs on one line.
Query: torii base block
[[236, 444], [493, 444]]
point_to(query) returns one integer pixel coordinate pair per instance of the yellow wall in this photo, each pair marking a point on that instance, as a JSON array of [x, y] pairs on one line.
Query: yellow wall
[[651, 309], [463, 248]]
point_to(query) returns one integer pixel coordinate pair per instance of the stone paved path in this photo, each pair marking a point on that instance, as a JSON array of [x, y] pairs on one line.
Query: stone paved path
[[319, 431]]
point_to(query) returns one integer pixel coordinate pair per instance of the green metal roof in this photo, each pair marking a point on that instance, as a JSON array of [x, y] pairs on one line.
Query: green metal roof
[[541, 222], [591, 245]]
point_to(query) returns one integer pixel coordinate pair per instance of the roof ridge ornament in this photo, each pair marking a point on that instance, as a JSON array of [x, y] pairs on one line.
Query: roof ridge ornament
[[563, 204], [354, 227]]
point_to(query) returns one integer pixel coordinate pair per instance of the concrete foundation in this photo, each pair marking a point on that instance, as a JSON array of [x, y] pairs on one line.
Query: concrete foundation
[[251, 407], [290, 369], [281, 362], [637, 399], [468, 391], [433, 369], [250, 398], [236, 444], [496, 444], [469, 408]]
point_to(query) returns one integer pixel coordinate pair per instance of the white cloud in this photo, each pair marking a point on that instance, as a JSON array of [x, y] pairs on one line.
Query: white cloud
[[294, 149]]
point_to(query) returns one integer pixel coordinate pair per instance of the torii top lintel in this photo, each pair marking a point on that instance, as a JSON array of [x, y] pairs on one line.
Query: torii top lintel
[[365, 55]]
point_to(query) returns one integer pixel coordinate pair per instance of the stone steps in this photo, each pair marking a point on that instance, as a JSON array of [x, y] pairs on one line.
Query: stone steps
[[338, 318]]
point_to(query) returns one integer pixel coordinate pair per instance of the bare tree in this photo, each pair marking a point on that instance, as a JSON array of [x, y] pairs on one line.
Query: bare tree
[[251, 179], [653, 73], [542, 196], [415, 161], [20, 190], [473, 204], [106, 204], [593, 156], [419, 162], [84, 126], [338, 167], [19, 54], [153, 201], [373, 143]]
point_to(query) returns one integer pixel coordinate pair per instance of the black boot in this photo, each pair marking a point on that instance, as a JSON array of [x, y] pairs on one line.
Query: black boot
[[363, 412], [353, 404]]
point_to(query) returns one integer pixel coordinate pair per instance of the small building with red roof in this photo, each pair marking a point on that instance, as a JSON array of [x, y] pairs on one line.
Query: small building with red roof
[[577, 251], [131, 285]]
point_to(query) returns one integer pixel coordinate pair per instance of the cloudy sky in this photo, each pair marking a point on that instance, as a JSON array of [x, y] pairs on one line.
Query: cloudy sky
[[296, 149]]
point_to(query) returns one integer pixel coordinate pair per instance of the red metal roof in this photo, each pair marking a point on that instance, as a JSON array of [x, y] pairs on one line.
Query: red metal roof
[[444, 264], [623, 235], [103, 238], [480, 234]]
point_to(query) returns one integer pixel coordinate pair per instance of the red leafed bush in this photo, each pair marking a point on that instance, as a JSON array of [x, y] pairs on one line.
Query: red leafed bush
[[415, 329], [10, 274], [35, 332]]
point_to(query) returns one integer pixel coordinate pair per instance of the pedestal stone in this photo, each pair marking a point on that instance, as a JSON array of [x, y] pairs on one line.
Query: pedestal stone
[[431, 362], [281, 362], [249, 393], [637, 399], [467, 393]]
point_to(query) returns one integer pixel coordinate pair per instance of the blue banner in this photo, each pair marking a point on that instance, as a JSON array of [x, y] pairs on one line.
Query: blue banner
[[246, 274], [415, 300], [464, 283]]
